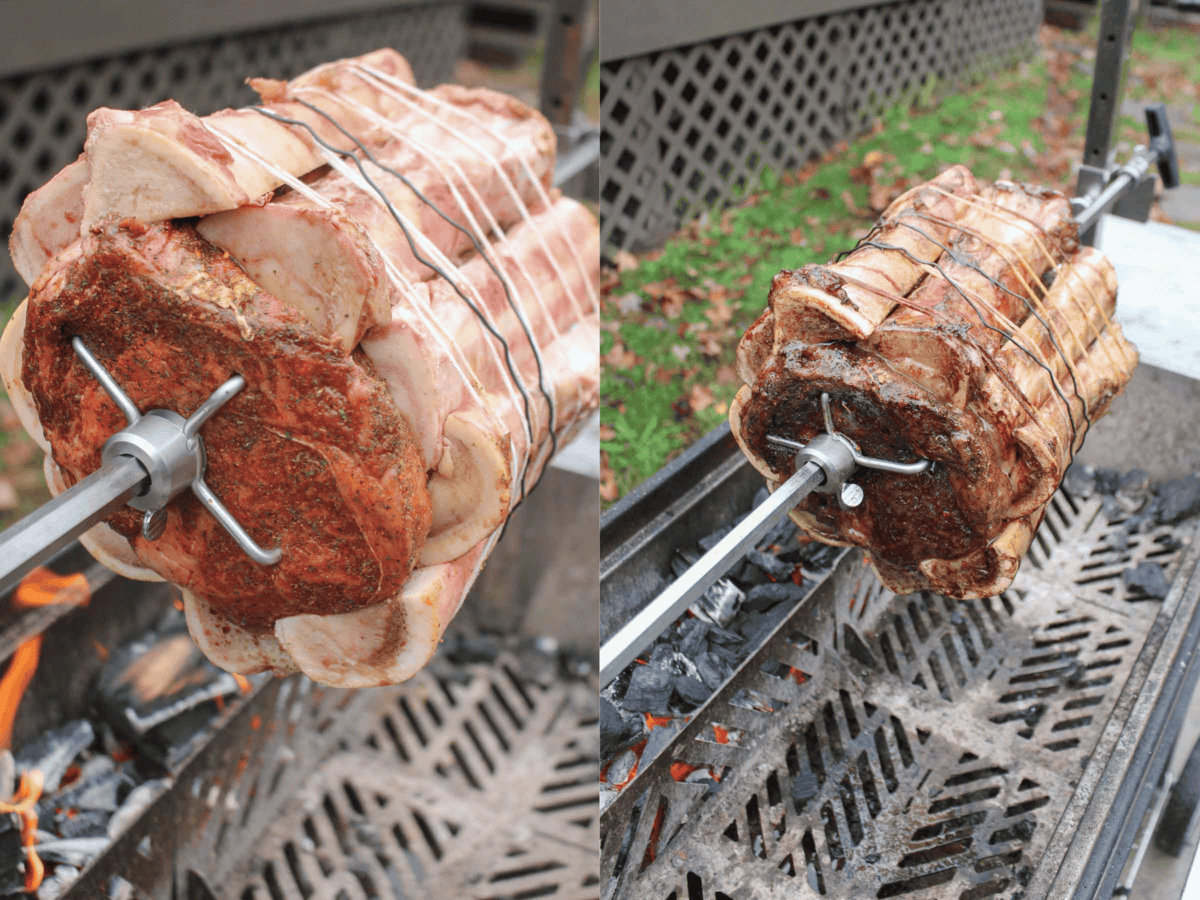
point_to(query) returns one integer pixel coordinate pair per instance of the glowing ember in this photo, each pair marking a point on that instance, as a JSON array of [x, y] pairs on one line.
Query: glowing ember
[[721, 734], [41, 587], [24, 804], [655, 833], [243, 683], [681, 770], [657, 721], [13, 684], [797, 676]]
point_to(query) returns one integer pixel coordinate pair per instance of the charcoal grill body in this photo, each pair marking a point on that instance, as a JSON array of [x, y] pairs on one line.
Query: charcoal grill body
[[1006, 747]]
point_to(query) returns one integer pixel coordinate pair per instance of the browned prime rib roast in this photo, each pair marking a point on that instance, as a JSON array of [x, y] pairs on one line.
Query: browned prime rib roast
[[413, 308], [969, 328]]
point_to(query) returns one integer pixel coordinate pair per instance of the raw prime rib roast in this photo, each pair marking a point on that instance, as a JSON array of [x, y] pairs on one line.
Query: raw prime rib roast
[[969, 328], [413, 309]]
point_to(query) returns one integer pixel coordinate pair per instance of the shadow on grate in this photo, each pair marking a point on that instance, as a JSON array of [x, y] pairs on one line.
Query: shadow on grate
[[474, 782], [894, 746]]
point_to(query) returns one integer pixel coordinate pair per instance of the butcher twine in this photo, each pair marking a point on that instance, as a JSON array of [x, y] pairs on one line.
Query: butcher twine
[[1029, 297]]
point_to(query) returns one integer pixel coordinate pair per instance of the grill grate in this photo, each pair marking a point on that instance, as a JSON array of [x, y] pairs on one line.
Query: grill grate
[[43, 116], [689, 127], [892, 746], [478, 785]]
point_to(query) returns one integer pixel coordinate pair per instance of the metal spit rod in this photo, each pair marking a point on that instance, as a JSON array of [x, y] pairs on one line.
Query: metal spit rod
[[54, 525], [824, 464], [621, 649]]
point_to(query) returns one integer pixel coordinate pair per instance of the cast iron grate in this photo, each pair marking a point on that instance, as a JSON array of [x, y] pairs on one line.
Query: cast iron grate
[[43, 115], [885, 746], [479, 785], [690, 127]]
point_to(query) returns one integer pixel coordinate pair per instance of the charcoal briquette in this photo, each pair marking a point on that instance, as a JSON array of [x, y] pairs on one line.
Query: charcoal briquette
[[765, 596], [691, 690], [621, 768], [771, 564], [1108, 481], [650, 690], [693, 637], [53, 752], [1134, 481], [819, 556], [707, 543], [1179, 499], [74, 851], [723, 636], [12, 878], [713, 670], [1147, 579], [88, 823], [616, 732], [1080, 481]]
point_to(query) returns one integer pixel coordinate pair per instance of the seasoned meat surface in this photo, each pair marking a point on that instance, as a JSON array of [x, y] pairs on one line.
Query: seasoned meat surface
[[311, 451], [982, 342]]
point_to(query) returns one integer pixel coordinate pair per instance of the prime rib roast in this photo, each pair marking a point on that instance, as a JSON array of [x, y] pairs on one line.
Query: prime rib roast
[[413, 308], [968, 328]]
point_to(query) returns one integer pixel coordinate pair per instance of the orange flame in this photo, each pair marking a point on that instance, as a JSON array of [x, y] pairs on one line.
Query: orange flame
[[41, 587], [13, 684], [243, 683], [24, 804]]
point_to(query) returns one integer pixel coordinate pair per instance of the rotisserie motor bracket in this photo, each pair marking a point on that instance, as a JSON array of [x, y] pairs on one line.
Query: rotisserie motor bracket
[[968, 328], [411, 304]]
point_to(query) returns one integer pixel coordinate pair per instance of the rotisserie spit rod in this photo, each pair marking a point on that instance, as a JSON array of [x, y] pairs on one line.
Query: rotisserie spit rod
[[824, 464], [145, 464]]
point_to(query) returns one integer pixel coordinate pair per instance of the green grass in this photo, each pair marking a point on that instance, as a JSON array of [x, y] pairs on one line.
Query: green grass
[[658, 353]]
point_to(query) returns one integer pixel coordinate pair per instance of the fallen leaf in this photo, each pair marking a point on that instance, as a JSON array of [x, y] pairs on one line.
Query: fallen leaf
[[727, 375], [851, 206], [681, 351], [607, 432], [710, 344], [609, 491], [621, 357], [880, 196], [700, 398], [718, 312], [628, 304], [626, 262]]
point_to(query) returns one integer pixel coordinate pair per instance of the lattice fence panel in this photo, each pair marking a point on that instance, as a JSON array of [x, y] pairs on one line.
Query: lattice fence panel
[[43, 115], [689, 128]]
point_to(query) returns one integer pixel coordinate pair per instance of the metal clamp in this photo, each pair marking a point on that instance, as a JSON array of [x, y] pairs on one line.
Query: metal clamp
[[838, 457], [170, 449]]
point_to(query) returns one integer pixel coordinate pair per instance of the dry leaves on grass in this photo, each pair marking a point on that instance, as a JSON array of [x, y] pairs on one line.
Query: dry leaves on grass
[[700, 398], [621, 357], [608, 480], [719, 311]]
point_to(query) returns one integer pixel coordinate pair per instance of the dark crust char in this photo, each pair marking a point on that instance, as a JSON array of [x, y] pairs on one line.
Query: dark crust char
[[946, 513], [311, 452]]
